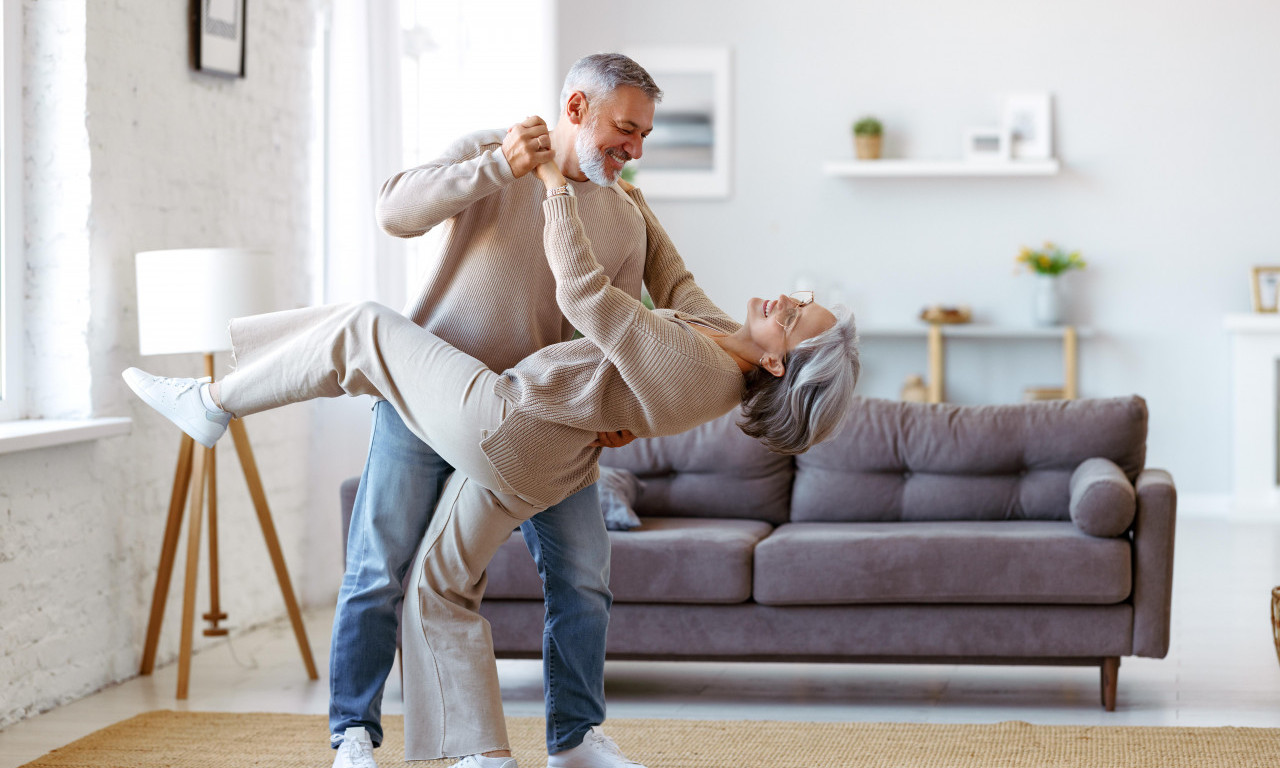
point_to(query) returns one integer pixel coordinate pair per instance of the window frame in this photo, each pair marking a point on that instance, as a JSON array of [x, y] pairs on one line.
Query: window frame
[[12, 249]]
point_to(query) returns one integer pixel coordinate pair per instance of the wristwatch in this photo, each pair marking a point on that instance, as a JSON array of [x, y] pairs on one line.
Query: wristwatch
[[565, 190]]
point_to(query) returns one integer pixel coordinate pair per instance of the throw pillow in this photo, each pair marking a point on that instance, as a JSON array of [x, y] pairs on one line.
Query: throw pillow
[[618, 491], [1103, 502]]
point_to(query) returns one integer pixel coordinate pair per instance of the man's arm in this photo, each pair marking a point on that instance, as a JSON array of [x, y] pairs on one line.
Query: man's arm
[[413, 201]]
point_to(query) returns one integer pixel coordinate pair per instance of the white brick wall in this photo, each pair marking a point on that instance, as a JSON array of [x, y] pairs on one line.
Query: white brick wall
[[129, 150]]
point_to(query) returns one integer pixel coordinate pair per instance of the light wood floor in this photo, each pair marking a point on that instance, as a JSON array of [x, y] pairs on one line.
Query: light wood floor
[[1221, 670]]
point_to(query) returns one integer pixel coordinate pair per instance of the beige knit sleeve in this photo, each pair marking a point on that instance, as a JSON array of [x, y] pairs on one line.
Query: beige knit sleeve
[[413, 201], [671, 285], [604, 313]]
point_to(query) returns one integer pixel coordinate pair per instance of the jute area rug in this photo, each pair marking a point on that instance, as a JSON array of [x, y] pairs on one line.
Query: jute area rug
[[214, 740]]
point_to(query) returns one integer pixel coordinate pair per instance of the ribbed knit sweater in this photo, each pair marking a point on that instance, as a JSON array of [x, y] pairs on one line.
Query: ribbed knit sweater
[[646, 371], [490, 292]]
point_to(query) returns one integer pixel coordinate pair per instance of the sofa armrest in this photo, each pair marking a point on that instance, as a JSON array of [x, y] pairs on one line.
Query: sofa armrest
[[1153, 530]]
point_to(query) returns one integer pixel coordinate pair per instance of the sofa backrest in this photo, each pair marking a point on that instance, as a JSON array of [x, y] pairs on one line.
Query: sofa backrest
[[898, 461], [710, 471]]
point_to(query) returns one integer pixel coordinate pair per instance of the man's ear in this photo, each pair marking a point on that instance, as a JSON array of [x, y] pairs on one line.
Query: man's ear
[[576, 107], [772, 363]]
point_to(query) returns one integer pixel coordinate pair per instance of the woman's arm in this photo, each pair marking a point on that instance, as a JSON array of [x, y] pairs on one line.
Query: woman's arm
[[602, 312]]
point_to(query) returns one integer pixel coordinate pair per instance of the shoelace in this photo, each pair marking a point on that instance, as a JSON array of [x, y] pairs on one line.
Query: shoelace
[[361, 754], [178, 384], [605, 744]]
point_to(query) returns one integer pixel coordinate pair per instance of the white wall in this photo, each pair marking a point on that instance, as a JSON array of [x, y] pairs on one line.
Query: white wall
[[130, 150], [1165, 120]]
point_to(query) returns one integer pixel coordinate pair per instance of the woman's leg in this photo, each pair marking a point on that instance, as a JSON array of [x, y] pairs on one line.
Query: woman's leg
[[444, 395], [453, 706]]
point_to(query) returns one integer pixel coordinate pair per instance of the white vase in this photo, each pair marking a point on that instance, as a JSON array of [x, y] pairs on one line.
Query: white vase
[[1046, 306]]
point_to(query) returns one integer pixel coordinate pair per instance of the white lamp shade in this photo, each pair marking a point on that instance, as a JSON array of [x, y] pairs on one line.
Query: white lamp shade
[[187, 296]]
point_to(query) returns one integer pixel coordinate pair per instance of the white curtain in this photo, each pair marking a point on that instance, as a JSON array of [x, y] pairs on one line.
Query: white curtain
[[362, 148]]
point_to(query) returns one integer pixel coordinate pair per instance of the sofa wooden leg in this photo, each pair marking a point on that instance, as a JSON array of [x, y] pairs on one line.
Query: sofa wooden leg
[[1110, 677]]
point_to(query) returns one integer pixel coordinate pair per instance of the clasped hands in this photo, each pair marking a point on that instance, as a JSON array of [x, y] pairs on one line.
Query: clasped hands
[[527, 145]]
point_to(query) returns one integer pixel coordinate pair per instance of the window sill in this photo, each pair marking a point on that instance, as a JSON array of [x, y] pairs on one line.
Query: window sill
[[30, 434]]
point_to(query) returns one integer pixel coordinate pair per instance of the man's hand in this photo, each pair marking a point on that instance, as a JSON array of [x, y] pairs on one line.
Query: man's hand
[[612, 439], [527, 145]]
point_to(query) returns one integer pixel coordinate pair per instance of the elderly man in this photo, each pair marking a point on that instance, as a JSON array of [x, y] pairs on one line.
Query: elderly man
[[491, 294]]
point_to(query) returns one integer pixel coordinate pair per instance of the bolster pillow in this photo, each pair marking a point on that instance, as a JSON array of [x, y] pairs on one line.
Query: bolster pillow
[[1103, 501]]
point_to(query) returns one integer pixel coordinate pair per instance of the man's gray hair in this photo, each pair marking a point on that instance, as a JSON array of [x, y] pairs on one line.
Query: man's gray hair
[[600, 74], [809, 402]]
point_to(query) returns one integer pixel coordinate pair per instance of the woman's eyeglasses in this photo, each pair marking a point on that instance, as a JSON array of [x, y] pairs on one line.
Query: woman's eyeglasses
[[791, 315]]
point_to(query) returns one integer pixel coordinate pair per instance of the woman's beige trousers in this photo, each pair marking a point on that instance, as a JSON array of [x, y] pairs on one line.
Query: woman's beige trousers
[[453, 706]]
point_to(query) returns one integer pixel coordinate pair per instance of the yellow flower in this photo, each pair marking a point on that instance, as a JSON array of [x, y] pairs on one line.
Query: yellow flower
[[1044, 261]]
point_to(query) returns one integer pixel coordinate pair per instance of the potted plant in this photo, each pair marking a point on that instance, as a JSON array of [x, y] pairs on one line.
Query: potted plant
[[866, 138], [1047, 263]]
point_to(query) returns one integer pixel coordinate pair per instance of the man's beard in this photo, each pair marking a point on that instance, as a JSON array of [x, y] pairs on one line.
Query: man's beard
[[594, 163]]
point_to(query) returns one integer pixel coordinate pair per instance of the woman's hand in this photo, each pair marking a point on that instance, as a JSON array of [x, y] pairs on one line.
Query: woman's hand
[[550, 176], [625, 185]]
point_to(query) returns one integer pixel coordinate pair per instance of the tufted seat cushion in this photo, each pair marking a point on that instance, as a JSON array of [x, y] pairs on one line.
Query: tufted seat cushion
[[665, 560], [1021, 561], [713, 470], [905, 462]]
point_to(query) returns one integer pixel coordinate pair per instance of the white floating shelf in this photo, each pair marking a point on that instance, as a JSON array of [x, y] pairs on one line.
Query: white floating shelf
[[925, 168]]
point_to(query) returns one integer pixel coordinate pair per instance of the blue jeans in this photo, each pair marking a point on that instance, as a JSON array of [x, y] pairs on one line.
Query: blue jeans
[[401, 482]]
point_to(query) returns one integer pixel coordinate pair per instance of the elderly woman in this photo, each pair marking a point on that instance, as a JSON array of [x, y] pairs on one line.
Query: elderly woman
[[522, 440]]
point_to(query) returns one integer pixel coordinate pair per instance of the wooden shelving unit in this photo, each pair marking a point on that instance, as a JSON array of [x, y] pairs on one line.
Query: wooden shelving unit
[[937, 333]]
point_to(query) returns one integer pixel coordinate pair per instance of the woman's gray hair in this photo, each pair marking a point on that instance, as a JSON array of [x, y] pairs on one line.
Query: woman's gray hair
[[600, 74], [809, 402]]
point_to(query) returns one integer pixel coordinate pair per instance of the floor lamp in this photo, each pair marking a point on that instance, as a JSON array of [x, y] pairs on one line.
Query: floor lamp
[[185, 299]]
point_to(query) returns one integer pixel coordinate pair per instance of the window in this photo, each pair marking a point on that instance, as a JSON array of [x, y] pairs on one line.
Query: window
[[462, 71], [12, 261]]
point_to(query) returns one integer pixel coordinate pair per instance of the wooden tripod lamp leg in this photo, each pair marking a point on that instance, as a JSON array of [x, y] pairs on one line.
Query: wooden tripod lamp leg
[[199, 469], [251, 476], [215, 613], [168, 552]]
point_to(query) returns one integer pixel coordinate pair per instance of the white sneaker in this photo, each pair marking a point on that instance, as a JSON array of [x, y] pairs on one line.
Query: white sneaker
[[178, 400], [595, 751], [480, 761], [356, 750]]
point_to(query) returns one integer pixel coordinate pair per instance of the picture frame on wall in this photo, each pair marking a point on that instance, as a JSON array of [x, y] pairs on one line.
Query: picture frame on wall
[[687, 154], [1028, 119], [218, 37], [1265, 287]]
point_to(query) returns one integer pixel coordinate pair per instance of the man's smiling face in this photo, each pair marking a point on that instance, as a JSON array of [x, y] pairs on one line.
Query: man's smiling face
[[612, 132]]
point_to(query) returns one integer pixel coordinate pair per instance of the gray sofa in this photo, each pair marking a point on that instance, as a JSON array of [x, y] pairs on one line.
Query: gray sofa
[[1018, 534]]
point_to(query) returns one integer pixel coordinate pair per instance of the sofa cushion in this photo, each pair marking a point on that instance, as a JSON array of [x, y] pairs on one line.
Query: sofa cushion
[[912, 461], [713, 470], [1103, 501], [1022, 561], [665, 560]]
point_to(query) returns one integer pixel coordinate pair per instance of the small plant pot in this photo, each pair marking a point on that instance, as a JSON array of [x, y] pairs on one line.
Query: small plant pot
[[867, 147]]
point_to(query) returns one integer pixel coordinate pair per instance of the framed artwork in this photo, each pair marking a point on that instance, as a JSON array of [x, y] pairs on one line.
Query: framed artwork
[[218, 36], [687, 154], [986, 144], [1028, 119], [1265, 284]]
